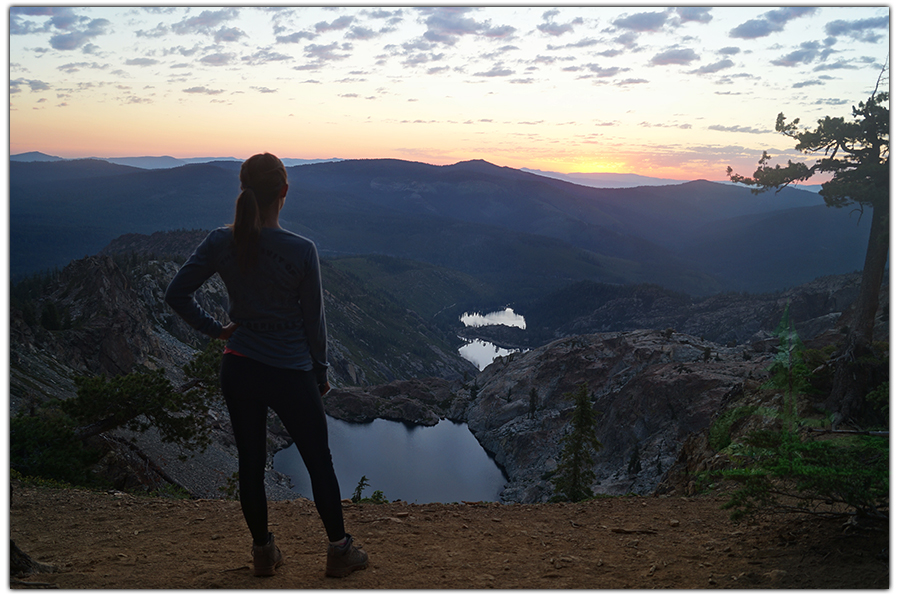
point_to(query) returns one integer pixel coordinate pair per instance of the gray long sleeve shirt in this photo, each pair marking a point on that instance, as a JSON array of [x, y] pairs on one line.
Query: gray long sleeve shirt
[[279, 304]]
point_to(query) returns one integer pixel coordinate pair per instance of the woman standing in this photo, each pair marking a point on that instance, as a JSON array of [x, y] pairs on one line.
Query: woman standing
[[276, 353]]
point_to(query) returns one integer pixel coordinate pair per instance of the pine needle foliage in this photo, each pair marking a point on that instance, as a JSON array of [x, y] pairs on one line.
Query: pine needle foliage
[[791, 469], [50, 441]]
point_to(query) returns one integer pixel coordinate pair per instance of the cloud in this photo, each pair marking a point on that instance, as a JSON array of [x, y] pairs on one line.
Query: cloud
[[361, 34], [802, 84], [380, 13], [631, 81], [730, 51], [557, 29], [326, 53], [693, 13], [629, 40], [79, 36], [32, 10], [15, 86], [265, 55], [141, 62], [606, 72], [642, 22], [809, 51], [203, 91], [160, 30], [744, 129], [499, 32], [675, 56], [839, 65], [218, 59], [447, 25], [860, 30], [584, 43], [337, 24], [499, 52], [228, 34], [772, 21], [824, 101], [205, 22], [497, 70], [295, 37], [715, 67], [76, 66], [421, 58], [19, 26], [136, 99]]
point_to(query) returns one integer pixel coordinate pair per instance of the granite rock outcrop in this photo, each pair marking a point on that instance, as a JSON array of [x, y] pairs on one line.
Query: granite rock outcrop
[[650, 391]]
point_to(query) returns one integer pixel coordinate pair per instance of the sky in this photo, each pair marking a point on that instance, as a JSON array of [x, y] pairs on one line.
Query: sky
[[678, 93]]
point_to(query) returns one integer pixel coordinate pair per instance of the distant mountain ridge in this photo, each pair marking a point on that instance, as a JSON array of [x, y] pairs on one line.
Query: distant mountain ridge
[[151, 162], [522, 234], [591, 179]]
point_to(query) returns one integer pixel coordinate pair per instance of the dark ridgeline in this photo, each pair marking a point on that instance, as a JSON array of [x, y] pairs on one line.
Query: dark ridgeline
[[526, 233]]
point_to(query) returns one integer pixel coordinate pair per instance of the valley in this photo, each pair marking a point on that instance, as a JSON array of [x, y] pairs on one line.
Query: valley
[[641, 311]]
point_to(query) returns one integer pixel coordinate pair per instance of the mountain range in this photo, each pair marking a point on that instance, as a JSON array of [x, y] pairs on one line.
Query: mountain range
[[151, 162], [520, 234]]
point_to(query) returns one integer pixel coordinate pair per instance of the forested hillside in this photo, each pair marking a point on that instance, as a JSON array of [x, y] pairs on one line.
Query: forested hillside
[[527, 233]]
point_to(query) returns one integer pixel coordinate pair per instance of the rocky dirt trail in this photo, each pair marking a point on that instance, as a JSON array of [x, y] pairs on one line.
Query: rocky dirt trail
[[101, 540]]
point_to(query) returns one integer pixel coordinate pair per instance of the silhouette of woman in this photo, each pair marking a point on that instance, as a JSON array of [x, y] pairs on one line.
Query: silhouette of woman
[[275, 356]]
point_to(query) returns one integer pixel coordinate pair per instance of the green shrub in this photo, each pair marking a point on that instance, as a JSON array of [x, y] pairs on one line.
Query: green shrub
[[45, 445], [720, 430], [377, 496], [791, 470], [784, 473]]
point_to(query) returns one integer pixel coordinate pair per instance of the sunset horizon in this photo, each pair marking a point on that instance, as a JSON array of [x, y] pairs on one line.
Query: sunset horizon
[[676, 93]]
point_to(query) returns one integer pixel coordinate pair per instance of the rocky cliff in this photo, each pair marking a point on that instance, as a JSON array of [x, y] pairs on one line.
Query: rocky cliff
[[650, 390]]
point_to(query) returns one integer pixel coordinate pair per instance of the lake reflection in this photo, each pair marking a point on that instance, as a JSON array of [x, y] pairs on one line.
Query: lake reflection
[[505, 317], [482, 353], [442, 463]]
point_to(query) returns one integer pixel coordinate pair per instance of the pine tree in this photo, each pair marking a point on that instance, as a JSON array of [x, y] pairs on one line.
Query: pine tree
[[574, 476], [856, 154]]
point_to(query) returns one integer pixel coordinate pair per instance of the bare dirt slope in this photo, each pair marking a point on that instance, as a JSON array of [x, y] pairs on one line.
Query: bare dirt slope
[[115, 540]]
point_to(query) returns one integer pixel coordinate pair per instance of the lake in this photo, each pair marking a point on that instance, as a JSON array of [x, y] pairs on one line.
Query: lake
[[418, 464], [480, 352]]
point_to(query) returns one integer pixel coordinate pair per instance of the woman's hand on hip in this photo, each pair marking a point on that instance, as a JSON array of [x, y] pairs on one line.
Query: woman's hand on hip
[[227, 330]]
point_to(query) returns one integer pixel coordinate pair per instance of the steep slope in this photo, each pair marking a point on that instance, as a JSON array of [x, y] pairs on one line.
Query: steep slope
[[728, 318], [112, 320], [773, 251]]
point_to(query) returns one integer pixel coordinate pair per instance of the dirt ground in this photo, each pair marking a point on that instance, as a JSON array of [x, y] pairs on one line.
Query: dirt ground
[[100, 540]]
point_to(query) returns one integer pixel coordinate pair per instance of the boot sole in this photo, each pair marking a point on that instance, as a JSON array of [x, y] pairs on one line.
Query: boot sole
[[342, 572], [268, 571]]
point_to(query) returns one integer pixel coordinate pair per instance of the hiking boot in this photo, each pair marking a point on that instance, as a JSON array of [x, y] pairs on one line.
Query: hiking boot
[[266, 558], [344, 559]]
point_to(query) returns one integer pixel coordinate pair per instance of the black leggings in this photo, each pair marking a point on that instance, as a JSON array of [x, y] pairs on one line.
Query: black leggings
[[250, 388]]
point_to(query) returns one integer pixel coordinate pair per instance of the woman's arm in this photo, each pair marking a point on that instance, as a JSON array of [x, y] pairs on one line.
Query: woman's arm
[[180, 293], [312, 303]]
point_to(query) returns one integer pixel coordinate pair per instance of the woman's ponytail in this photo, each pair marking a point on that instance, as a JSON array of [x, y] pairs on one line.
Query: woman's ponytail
[[246, 228], [262, 177]]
